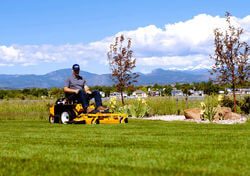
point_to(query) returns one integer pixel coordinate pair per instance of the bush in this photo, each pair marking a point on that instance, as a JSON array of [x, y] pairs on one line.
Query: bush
[[136, 108], [210, 108], [228, 102], [139, 108], [245, 105], [242, 106]]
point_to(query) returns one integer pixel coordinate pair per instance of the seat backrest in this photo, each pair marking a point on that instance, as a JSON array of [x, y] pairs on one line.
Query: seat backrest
[[71, 98]]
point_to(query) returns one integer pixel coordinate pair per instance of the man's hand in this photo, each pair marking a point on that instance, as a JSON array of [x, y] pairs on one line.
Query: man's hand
[[88, 92], [66, 89], [86, 88], [77, 91]]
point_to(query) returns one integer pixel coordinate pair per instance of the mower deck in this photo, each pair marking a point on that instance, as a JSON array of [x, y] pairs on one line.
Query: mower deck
[[65, 113], [102, 118]]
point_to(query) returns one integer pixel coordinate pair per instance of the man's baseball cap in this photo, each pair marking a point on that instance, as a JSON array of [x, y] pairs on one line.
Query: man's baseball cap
[[76, 67]]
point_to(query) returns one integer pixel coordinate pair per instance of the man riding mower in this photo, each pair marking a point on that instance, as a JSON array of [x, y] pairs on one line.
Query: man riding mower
[[75, 107]]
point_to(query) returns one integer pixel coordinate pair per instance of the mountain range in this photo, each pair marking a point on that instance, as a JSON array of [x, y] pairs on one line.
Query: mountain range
[[57, 78]]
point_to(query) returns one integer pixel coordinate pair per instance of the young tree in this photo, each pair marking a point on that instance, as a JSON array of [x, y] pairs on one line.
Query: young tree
[[121, 64], [230, 56]]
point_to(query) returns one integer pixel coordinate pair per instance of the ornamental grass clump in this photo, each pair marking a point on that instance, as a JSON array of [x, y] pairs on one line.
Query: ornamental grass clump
[[125, 109], [207, 112], [113, 106], [136, 108], [210, 108], [139, 108]]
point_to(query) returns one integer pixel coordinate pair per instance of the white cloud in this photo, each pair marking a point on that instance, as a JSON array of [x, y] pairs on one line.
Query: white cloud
[[180, 45], [187, 61]]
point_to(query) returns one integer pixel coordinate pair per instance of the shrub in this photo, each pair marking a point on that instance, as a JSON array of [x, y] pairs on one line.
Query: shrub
[[139, 108], [208, 109], [228, 102], [245, 105]]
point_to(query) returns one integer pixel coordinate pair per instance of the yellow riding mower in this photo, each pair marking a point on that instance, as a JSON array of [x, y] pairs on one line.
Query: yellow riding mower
[[66, 112]]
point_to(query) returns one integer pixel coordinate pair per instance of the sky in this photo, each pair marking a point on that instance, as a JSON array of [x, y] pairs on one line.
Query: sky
[[37, 37]]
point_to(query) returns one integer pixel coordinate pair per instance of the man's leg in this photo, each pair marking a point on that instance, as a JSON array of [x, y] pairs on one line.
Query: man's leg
[[84, 99], [98, 100]]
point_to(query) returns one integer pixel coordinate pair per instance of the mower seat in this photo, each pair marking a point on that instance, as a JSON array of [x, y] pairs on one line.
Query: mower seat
[[71, 98]]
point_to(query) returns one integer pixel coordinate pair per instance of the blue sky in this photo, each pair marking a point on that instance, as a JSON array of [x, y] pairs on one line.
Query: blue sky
[[40, 36]]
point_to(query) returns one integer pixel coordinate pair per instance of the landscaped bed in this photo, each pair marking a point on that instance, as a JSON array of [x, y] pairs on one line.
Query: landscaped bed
[[243, 119]]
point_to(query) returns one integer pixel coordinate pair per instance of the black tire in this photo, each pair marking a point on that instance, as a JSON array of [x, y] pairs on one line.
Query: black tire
[[95, 122], [125, 120], [51, 119], [121, 120]]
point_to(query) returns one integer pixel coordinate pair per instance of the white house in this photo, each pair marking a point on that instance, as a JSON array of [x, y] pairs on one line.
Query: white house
[[245, 91], [229, 90], [197, 93], [139, 93], [118, 95], [221, 92], [154, 93], [176, 93]]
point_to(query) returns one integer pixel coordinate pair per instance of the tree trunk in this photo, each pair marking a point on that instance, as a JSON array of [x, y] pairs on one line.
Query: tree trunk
[[186, 102], [233, 82], [235, 109], [122, 97]]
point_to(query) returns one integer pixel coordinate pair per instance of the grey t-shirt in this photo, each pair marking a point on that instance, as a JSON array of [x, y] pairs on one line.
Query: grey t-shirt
[[73, 82]]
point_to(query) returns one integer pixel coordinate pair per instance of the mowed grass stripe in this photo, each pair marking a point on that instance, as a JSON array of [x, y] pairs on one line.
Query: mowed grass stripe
[[141, 147]]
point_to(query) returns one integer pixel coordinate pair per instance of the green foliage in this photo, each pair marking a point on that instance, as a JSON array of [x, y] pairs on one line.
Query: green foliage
[[105, 89], [56, 93], [167, 90], [154, 106], [209, 113], [23, 94], [24, 110], [242, 103], [228, 102], [138, 108], [245, 105]]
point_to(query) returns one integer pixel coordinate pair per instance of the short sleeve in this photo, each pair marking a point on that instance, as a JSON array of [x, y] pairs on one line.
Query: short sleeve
[[66, 83], [84, 82]]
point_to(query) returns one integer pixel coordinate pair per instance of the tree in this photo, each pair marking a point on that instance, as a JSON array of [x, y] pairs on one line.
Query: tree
[[121, 64], [230, 56], [167, 90], [130, 90]]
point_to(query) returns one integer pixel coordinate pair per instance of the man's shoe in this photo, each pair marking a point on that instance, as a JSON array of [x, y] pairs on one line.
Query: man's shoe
[[101, 108], [89, 110]]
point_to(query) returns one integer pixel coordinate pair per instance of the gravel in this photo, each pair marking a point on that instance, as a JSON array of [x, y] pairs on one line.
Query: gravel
[[243, 119]]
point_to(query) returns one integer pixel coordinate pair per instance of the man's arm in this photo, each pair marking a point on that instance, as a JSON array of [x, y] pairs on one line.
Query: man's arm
[[87, 90], [67, 85], [66, 89]]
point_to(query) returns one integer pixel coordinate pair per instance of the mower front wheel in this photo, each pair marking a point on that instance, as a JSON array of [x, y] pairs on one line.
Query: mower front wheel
[[95, 122], [124, 120]]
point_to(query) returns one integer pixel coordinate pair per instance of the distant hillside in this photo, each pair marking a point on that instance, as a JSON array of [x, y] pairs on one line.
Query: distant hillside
[[57, 78], [161, 76]]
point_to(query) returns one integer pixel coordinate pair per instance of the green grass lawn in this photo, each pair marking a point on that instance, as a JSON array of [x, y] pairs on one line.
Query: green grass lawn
[[141, 147]]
